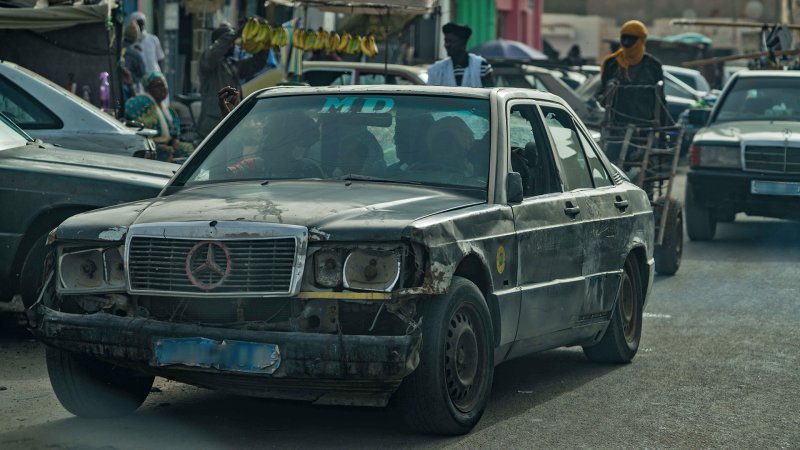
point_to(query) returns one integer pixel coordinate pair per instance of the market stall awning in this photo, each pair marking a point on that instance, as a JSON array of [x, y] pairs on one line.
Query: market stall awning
[[414, 7], [54, 17]]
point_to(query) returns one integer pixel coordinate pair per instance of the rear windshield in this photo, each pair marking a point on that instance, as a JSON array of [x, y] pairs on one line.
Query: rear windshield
[[400, 138]]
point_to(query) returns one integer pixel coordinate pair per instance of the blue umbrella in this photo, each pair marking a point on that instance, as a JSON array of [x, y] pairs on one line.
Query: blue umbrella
[[505, 49]]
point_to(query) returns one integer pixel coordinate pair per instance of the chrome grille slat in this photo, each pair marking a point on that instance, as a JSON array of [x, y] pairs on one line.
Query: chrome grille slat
[[157, 264], [770, 158]]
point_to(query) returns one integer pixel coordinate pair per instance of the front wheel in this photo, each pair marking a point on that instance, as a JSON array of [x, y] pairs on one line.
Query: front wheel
[[449, 390], [668, 255], [88, 387], [620, 342], [700, 222]]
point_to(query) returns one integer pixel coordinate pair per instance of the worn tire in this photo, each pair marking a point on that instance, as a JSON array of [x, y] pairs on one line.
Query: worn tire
[[724, 216], [31, 272], [700, 222], [88, 387], [620, 342], [668, 255], [448, 392]]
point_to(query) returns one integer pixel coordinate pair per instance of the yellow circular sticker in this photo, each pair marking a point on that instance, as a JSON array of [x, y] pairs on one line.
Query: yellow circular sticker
[[500, 259]]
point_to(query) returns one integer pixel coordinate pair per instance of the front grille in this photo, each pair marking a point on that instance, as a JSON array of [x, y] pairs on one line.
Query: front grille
[[250, 266], [776, 159]]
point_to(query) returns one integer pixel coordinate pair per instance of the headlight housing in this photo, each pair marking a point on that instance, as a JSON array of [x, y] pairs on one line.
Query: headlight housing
[[723, 157], [91, 270], [365, 269]]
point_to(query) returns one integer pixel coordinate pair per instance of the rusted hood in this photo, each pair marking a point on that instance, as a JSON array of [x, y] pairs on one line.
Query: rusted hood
[[335, 210]]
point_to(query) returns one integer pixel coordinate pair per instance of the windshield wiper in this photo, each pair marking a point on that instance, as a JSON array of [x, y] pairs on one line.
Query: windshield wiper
[[359, 177]]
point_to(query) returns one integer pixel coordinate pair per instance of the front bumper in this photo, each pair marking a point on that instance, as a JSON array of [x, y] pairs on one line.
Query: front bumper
[[325, 368], [730, 191]]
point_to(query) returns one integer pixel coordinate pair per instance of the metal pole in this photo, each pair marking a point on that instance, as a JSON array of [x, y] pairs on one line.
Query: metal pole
[[386, 47]]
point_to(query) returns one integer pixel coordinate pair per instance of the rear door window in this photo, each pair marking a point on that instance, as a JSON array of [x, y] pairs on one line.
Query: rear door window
[[24, 110], [568, 148]]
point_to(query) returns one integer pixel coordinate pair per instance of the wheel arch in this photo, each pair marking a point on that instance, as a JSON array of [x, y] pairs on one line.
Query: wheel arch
[[639, 254], [44, 222], [474, 269]]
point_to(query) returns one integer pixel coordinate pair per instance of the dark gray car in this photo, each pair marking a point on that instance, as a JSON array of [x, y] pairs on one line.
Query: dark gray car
[[341, 245], [41, 185]]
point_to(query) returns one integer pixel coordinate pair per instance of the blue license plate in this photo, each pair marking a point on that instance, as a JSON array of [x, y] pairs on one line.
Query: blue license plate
[[774, 188], [228, 356]]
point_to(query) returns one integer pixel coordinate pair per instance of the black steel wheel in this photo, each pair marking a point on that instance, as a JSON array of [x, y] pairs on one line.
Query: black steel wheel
[[700, 222], [88, 387], [620, 342], [450, 388], [668, 255]]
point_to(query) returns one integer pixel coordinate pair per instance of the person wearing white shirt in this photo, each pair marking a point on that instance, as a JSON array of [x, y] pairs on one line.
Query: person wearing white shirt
[[460, 68], [151, 46]]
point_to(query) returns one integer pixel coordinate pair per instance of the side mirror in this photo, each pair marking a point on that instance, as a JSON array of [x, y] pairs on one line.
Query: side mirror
[[514, 187], [698, 117], [134, 124]]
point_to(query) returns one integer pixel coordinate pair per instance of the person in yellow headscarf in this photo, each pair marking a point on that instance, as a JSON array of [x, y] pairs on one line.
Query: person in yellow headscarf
[[632, 85]]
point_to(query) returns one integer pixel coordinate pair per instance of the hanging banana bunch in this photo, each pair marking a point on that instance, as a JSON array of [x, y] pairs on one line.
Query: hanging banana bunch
[[258, 36], [368, 45]]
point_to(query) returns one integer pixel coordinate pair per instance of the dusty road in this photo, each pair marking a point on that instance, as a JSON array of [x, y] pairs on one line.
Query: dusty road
[[718, 367]]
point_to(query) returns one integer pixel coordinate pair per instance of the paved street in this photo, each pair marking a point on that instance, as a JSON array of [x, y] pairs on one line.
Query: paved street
[[718, 367]]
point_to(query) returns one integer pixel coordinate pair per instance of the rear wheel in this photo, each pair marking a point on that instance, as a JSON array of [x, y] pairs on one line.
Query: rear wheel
[[700, 222], [448, 392], [620, 342], [88, 387], [668, 255]]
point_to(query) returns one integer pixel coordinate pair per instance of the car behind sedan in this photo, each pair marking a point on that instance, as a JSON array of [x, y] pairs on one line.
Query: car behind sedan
[[747, 158], [41, 185], [48, 112], [343, 245]]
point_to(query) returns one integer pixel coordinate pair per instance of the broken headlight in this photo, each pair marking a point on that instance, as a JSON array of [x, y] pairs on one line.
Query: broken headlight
[[328, 268], [371, 270], [91, 270], [360, 269]]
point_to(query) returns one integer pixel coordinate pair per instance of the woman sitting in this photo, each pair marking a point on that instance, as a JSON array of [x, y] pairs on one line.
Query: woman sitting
[[150, 110]]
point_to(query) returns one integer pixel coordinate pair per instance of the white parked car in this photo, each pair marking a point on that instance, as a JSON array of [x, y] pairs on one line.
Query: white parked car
[[49, 112]]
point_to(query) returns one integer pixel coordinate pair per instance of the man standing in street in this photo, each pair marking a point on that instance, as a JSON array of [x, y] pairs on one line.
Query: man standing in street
[[460, 68], [218, 69], [632, 88], [151, 47]]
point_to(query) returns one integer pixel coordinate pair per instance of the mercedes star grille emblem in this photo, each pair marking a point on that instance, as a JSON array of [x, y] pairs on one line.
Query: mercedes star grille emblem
[[202, 268]]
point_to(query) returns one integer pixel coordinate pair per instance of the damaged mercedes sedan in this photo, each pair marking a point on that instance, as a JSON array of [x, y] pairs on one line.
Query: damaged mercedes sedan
[[344, 245]]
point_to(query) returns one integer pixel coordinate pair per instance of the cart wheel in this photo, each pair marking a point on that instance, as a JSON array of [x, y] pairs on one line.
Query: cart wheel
[[668, 254]]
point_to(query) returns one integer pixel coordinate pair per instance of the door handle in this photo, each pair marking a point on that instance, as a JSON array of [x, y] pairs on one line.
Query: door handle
[[621, 203], [572, 210]]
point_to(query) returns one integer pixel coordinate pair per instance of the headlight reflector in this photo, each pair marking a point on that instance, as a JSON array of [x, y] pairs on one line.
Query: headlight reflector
[[91, 270], [371, 270], [328, 268]]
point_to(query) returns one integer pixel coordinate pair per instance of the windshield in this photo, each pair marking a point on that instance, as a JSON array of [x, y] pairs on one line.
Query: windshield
[[762, 98], [400, 138]]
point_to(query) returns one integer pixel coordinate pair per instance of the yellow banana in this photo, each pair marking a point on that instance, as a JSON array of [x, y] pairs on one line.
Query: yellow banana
[[363, 45], [344, 41], [333, 42], [373, 46], [298, 38], [250, 29], [279, 37], [322, 40]]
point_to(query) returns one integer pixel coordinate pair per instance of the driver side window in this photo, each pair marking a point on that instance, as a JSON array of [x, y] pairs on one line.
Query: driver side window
[[530, 153]]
